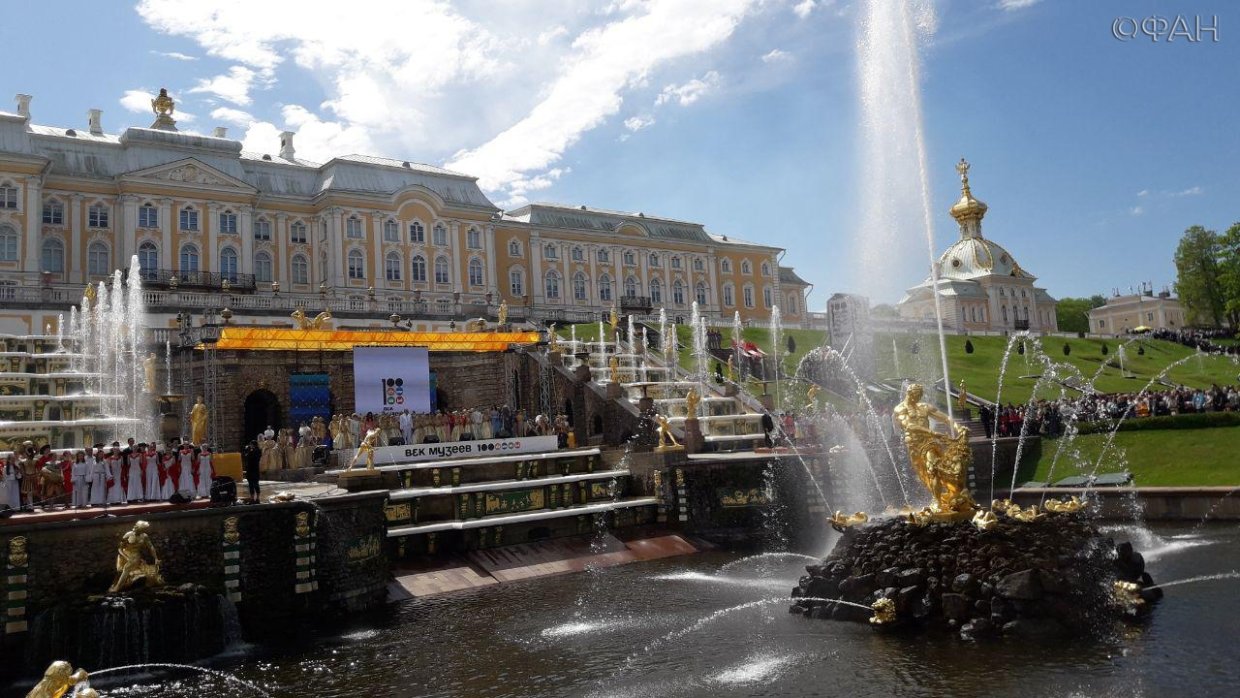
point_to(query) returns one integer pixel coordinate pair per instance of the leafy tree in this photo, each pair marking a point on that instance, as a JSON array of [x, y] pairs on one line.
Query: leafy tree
[[1229, 273], [1073, 313], [1199, 277]]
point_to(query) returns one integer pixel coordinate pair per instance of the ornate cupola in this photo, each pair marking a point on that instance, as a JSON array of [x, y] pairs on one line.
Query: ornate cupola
[[968, 211]]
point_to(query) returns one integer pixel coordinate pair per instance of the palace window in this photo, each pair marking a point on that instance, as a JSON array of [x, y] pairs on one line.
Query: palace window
[[262, 268], [391, 231], [728, 297], [189, 258], [357, 265], [699, 293], [678, 292], [189, 218], [8, 196], [516, 282], [441, 271], [767, 297], [148, 216], [228, 223], [476, 277], [792, 303], [417, 269], [53, 212], [440, 235], [53, 256], [514, 248], [262, 230], [353, 227], [676, 262], [417, 233], [228, 263], [553, 285], [148, 259], [766, 268], [8, 243], [746, 267], [654, 260], [297, 233], [549, 252], [97, 261], [300, 269], [725, 266], [604, 256], [604, 288], [630, 259], [97, 216], [630, 287], [748, 292], [698, 264], [656, 291], [392, 266], [579, 285], [473, 239], [579, 255]]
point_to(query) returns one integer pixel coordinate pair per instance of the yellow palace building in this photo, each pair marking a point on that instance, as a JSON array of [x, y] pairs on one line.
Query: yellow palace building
[[380, 242]]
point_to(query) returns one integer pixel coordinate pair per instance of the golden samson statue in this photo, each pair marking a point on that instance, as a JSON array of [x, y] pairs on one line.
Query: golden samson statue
[[136, 561], [941, 461]]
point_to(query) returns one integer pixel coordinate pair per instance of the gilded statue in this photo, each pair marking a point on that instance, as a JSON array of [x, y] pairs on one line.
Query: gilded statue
[[59, 680], [198, 423], [940, 461], [305, 323], [840, 521], [553, 339], [692, 398], [984, 520], [503, 312], [366, 448], [302, 527], [811, 395], [88, 296], [18, 557], [731, 371], [667, 440], [148, 369], [613, 319], [232, 535], [1071, 505], [136, 561], [613, 366], [884, 612], [962, 398], [163, 105]]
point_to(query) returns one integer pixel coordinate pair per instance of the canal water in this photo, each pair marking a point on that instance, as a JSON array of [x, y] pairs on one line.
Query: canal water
[[663, 629]]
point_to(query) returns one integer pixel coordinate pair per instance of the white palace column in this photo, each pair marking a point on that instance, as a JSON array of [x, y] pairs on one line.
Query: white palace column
[[166, 254], [492, 280], [127, 230], [335, 247], [535, 291], [714, 294], [208, 261], [283, 248], [77, 238], [34, 222], [454, 256], [592, 299], [378, 276], [617, 285], [246, 226]]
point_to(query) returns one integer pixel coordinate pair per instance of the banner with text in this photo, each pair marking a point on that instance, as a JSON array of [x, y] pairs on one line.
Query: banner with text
[[420, 453], [391, 379]]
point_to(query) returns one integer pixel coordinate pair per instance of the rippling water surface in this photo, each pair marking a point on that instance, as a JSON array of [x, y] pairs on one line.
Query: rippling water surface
[[661, 629]]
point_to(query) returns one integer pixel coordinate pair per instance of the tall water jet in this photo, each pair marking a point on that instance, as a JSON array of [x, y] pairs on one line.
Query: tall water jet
[[776, 338], [894, 158]]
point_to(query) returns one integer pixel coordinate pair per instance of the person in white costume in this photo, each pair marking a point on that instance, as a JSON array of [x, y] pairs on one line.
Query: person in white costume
[[80, 474]]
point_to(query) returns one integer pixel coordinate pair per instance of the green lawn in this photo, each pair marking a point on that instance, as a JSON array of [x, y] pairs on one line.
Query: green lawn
[[1167, 457]]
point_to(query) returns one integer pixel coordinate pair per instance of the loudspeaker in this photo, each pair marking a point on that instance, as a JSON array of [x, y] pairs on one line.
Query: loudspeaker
[[223, 490], [181, 497]]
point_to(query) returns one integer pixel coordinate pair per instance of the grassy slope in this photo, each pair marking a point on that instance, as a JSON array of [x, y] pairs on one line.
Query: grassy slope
[[1164, 457]]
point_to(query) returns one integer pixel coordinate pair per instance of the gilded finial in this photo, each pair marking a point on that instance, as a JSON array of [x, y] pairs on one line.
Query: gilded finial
[[962, 168], [163, 106]]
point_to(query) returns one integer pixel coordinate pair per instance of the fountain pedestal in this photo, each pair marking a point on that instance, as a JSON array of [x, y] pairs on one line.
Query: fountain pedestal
[[361, 480], [614, 391], [555, 358], [693, 435], [582, 372]]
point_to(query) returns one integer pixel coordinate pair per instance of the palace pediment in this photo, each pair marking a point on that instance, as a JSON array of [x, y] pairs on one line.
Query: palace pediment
[[189, 172]]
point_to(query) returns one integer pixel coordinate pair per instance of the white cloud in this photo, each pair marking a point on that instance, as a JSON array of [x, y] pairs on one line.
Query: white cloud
[[232, 116], [138, 101], [1143, 193], [1013, 5], [175, 55], [776, 56], [233, 86], [317, 139], [803, 8], [637, 123], [689, 92], [552, 34], [1137, 210], [1191, 191]]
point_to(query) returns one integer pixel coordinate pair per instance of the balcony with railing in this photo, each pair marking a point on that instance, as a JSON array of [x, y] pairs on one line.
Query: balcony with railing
[[179, 278], [636, 304]]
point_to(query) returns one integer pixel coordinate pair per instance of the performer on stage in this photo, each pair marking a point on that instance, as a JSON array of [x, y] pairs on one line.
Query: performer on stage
[[133, 475], [150, 473], [116, 490], [97, 471], [167, 474], [185, 474], [204, 473], [10, 483], [80, 474]]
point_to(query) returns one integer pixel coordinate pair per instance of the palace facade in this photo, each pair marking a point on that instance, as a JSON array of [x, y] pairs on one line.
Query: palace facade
[[379, 241], [981, 287]]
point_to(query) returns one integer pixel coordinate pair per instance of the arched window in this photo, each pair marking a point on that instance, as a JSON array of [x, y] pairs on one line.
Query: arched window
[[678, 291], [148, 259], [604, 288], [729, 296], [654, 260], [473, 239], [148, 216], [579, 285], [441, 271], [417, 269], [766, 268], [357, 265], [8, 243], [516, 281], [417, 233], [514, 248], [767, 297], [725, 266], [746, 267], [440, 235], [189, 258], [53, 256], [97, 216], [553, 285], [1004, 311], [262, 268], [53, 212], [392, 266], [228, 263], [630, 287], [262, 229], [656, 291], [748, 292], [228, 222], [391, 231], [301, 269], [189, 218], [353, 227], [699, 293], [97, 262], [476, 277]]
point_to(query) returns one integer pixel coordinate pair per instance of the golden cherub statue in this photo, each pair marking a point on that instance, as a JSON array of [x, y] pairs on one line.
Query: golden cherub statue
[[57, 681], [692, 398], [667, 440], [940, 461], [137, 563], [366, 448], [503, 312], [613, 366], [148, 369]]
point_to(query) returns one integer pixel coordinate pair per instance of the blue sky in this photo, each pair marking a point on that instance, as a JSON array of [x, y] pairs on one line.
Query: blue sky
[[1093, 154]]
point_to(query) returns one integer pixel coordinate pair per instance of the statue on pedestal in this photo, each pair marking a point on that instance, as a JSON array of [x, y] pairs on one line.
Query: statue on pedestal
[[613, 367], [198, 423], [148, 368], [691, 403], [136, 561], [940, 461], [502, 316], [667, 440], [59, 680]]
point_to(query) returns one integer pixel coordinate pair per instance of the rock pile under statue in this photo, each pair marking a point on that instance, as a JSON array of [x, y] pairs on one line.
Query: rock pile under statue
[[1004, 570]]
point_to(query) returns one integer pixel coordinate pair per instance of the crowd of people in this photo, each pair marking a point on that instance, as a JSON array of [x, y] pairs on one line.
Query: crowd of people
[[407, 427], [1202, 340], [102, 475]]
